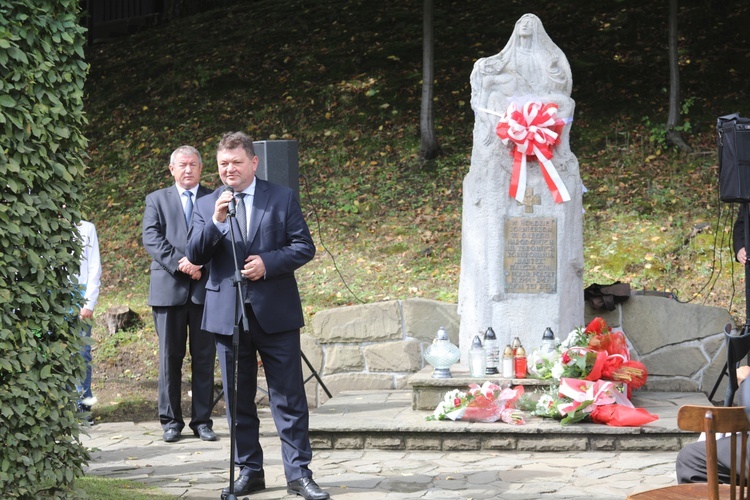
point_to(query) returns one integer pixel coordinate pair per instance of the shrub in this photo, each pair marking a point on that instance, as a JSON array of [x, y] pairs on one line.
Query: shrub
[[41, 166]]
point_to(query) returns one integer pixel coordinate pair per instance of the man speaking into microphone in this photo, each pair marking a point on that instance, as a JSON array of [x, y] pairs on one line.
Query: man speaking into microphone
[[272, 241]]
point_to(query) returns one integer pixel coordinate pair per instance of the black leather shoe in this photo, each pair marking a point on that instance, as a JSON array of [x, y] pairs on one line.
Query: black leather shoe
[[205, 433], [246, 485], [171, 435], [307, 488]]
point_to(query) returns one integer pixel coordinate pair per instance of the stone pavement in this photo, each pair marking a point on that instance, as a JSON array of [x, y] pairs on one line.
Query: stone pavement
[[195, 469]]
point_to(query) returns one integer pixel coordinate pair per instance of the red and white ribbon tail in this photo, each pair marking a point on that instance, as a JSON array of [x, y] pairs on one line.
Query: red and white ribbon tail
[[552, 178], [518, 177]]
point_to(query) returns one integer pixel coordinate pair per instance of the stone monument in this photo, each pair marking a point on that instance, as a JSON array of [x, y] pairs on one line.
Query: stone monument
[[522, 228]]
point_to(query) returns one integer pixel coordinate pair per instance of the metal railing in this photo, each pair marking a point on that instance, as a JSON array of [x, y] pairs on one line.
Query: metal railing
[[105, 18]]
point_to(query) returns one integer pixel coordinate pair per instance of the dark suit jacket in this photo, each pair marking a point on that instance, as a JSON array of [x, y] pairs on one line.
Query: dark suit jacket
[[165, 234], [279, 235]]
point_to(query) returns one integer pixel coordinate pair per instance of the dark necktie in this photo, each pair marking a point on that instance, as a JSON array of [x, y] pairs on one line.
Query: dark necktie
[[188, 206], [242, 215]]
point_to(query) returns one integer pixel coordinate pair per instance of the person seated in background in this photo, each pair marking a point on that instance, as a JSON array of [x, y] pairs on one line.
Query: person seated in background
[[691, 464]]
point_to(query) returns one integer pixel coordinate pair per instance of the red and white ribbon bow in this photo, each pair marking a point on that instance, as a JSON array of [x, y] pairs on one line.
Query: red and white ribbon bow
[[534, 130]]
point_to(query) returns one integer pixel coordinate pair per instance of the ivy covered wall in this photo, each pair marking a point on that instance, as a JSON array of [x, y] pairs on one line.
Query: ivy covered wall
[[42, 151]]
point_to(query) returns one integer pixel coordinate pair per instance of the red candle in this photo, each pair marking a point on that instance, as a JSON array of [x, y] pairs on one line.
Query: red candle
[[520, 363]]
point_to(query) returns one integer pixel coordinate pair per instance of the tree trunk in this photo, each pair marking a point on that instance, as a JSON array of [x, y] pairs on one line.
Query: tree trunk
[[429, 144], [118, 318], [177, 9], [674, 137]]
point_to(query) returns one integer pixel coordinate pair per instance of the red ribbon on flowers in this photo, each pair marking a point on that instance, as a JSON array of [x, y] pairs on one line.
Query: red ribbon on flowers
[[534, 131], [613, 343], [621, 416], [596, 370]]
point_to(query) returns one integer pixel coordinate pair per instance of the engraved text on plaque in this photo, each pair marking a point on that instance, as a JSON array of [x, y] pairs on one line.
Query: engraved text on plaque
[[530, 260]]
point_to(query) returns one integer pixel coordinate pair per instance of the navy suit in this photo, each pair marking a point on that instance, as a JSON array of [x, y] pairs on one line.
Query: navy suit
[[279, 235], [177, 303]]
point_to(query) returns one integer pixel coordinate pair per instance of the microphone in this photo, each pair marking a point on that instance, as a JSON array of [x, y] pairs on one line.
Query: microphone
[[232, 208]]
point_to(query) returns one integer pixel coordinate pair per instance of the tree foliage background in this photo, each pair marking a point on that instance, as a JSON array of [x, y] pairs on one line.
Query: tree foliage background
[[42, 148]]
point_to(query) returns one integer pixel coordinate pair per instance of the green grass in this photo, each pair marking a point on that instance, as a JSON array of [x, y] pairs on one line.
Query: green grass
[[129, 409], [98, 488]]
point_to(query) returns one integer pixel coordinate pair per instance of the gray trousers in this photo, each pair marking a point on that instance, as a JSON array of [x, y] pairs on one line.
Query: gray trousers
[[691, 460]]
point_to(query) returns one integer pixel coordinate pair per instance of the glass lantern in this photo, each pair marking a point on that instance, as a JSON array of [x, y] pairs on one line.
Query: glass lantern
[[441, 354]]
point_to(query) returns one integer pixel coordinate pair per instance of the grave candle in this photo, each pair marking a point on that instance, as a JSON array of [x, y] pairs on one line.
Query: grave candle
[[477, 358], [520, 362]]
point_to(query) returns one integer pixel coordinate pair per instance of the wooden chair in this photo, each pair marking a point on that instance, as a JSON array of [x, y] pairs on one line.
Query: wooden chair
[[711, 420]]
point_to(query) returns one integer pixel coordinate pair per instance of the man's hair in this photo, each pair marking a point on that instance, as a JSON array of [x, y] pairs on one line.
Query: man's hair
[[232, 140], [185, 150]]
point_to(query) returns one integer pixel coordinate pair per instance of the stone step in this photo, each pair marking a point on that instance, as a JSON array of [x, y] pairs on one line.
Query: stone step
[[386, 420], [428, 391]]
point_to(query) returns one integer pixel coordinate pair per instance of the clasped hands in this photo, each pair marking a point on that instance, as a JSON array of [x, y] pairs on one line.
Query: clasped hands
[[187, 267]]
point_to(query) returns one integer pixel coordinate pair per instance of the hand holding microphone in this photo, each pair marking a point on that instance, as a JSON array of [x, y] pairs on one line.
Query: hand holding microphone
[[232, 207], [225, 205]]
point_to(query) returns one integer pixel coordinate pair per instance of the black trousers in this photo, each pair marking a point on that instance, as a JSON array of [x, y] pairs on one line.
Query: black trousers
[[281, 355], [174, 324]]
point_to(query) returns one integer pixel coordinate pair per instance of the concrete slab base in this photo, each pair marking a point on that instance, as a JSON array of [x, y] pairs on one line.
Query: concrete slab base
[[386, 420]]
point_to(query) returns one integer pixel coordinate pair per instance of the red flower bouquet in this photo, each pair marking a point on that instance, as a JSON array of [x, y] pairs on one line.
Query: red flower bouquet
[[601, 402], [595, 378], [491, 403], [488, 403]]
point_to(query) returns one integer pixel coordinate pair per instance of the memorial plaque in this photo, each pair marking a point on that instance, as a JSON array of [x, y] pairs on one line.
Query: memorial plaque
[[530, 260]]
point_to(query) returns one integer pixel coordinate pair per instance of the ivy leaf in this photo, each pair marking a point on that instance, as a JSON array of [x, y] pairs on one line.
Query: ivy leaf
[[7, 101]]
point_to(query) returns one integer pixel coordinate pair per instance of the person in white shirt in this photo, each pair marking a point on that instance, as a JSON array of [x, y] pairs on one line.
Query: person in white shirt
[[89, 278]]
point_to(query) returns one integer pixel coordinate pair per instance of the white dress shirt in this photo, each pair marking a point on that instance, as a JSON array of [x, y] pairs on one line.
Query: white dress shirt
[[90, 272]]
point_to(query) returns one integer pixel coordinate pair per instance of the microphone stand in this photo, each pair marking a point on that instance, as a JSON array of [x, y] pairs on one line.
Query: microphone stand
[[238, 282]]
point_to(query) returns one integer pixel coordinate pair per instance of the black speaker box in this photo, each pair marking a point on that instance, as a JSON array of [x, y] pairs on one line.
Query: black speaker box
[[734, 158], [278, 162]]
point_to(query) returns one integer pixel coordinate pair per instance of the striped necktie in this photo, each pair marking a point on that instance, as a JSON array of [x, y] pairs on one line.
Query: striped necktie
[[242, 215], [188, 206]]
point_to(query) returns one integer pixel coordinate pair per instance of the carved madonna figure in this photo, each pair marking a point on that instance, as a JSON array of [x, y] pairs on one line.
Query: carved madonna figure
[[529, 66], [522, 229]]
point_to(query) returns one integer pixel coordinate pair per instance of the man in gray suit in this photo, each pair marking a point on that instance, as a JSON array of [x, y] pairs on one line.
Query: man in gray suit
[[176, 296]]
